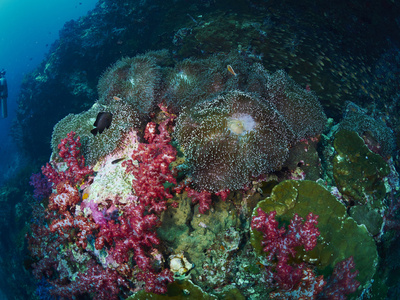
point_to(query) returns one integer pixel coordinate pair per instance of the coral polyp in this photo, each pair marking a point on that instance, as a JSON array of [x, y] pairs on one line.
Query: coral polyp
[[241, 123], [231, 138]]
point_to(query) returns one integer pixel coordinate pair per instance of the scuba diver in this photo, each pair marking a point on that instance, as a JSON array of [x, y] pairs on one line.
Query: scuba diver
[[3, 93]]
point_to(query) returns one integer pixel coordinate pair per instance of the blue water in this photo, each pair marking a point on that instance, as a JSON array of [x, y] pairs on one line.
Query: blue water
[[27, 29]]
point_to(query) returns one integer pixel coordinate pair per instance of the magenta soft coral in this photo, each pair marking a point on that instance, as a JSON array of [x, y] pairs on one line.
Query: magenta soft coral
[[102, 284], [280, 244], [135, 232], [152, 171], [342, 282], [69, 151], [202, 198]]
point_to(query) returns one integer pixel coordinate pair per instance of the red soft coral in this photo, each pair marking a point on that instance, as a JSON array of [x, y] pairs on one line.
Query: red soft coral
[[281, 244], [152, 170], [342, 281], [69, 151], [202, 198], [134, 236]]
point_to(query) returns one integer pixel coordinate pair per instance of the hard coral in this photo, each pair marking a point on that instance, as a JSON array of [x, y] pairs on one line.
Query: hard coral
[[371, 129], [231, 138], [357, 171]]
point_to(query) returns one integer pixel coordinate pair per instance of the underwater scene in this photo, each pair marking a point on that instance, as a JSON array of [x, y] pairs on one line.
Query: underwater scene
[[208, 149]]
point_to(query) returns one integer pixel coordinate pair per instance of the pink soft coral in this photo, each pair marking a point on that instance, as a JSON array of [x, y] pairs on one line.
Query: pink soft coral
[[69, 151], [152, 171], [280, 245]]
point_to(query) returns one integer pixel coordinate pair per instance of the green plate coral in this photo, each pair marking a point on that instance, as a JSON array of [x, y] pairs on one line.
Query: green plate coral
[[340, 237], [358, 172]]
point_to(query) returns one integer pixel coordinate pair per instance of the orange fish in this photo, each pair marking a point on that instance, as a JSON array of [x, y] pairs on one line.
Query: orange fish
[[230, 70], [117, 98]]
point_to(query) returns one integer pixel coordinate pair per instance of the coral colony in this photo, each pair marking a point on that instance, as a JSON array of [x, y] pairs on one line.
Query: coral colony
[[189, 185]]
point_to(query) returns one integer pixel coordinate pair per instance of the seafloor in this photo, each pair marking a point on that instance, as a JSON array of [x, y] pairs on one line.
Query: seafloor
[[217, 149]]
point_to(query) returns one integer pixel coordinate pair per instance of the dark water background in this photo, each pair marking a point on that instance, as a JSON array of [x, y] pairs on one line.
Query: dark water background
[[27, 29]]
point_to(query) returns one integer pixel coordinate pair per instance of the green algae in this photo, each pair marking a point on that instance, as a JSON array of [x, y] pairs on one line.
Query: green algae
[[358, 172], [341, 237]]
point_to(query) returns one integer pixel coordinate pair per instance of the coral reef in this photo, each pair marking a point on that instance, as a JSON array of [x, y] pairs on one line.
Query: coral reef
[[376, 134], [116, 222], [195, 80], [303, 197], [148, 207], [358, 172], [125, 117], [299, 107], [280, 245], [152, 171], [72, 169]]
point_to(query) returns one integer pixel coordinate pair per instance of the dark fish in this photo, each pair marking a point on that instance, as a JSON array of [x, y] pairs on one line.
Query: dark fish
[[102, 122], [117, 160]]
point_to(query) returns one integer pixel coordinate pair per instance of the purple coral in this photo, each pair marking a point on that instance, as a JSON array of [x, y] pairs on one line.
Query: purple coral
[[41, 185]]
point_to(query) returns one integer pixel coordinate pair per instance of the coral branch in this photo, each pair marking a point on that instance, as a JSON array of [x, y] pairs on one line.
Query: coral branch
[[69, 152], [281, 244], [152, 171]]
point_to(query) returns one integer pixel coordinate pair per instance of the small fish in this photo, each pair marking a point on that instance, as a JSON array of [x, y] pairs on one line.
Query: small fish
[[230, 70], [117, 160], [102, 122], [117, 98]]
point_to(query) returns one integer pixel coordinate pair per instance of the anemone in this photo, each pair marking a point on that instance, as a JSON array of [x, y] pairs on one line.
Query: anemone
[[195, 80], [231, 138], [136, 81], [300, 107], [125, 117]]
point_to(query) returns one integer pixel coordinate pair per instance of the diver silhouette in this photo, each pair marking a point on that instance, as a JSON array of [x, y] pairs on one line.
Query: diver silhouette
[[3, 93]]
